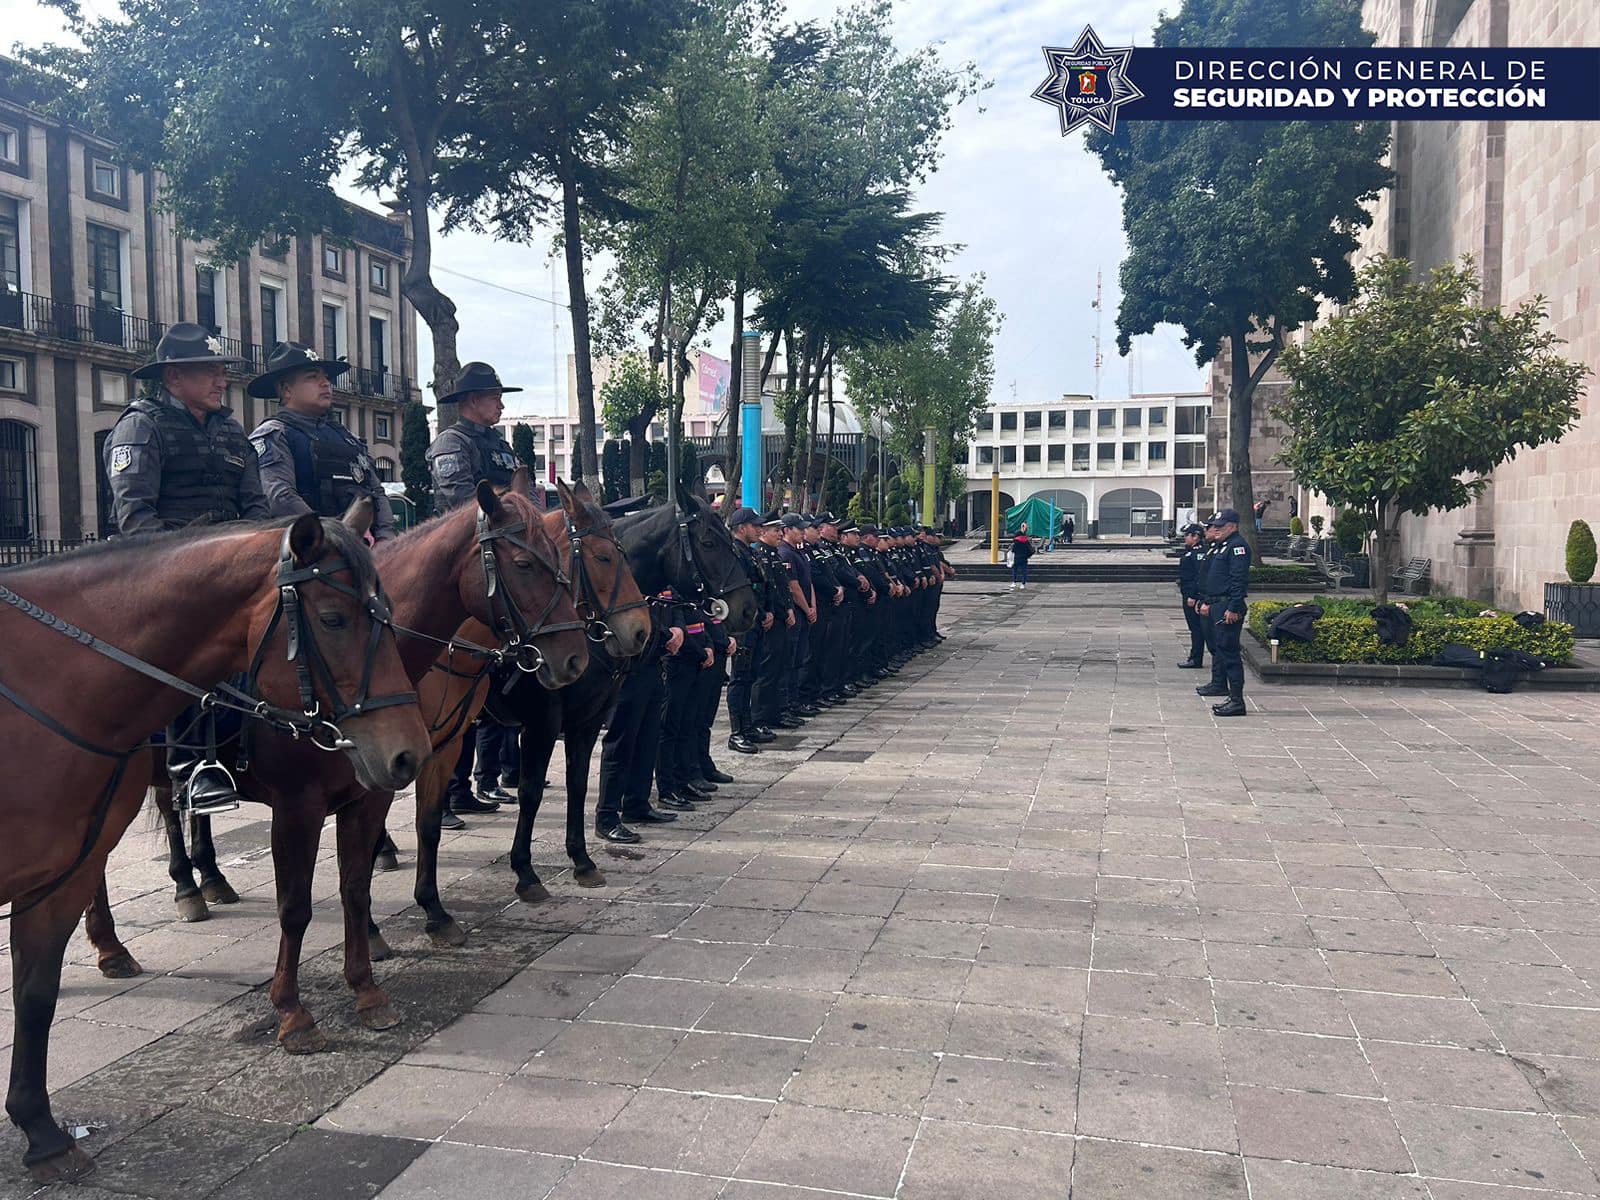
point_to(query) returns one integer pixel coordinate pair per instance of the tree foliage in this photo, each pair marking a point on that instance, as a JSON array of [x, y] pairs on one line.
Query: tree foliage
[[1580, 552], [1406, 402], [522, 446], [414, 473], [1237, 230], [614, 469], [897, 502]]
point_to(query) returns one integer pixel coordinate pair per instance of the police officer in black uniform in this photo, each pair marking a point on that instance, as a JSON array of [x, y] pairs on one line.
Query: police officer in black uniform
[[178, 458], [309, 462], [745, 525], [767, 702], [1189, 560], [1227, 582], [631, 745], [470, 450]]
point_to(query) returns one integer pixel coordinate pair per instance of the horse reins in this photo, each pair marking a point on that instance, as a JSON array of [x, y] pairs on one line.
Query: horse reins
[[591, 608], [310, 664], [708, 598]]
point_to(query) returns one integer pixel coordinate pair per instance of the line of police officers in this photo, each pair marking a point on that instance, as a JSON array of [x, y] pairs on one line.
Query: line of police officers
[[1214, 580]]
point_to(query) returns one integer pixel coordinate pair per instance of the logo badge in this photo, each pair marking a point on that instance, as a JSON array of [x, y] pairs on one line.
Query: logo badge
[[121, 458], [214, 345], [1087, 82]]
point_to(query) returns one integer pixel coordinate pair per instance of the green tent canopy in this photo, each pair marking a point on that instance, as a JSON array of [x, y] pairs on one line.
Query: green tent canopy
[[1044, 519]]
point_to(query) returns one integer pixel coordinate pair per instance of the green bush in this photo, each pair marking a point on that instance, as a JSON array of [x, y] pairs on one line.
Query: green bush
[[1350, 529], [1580, 552], [1283, 574], [1316, 524], [1346, 632], [1297, 527]]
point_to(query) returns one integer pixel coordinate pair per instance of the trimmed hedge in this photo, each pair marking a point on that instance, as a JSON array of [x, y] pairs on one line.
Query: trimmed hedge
[[1346, 633], [1283, 574]]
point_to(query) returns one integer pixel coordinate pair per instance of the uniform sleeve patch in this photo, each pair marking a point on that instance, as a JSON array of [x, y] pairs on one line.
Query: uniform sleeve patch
[[450, 464], [1239, 550], [121, 458]]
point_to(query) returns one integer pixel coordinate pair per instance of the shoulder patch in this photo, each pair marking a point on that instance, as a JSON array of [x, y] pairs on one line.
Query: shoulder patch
[[1241, 550], [450, 464], [121, 458]]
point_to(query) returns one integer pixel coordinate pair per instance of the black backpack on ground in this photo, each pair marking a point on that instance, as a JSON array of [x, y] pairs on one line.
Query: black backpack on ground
[[1296, 623]]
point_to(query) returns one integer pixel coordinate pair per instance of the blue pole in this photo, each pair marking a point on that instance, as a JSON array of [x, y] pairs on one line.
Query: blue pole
[[750, 444]]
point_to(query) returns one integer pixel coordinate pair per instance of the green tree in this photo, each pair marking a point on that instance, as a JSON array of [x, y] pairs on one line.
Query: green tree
[[414, 473], [614, 470], [835, 487], [522, 447], [1580, 552], [1407, 401], [940, 378], [897, 502], [1238, 230], [630, 398]]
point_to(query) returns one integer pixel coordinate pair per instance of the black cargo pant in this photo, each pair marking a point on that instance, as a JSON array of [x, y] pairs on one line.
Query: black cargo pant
[[679, 720], [742, 683], [628, 751], [1197, 631]]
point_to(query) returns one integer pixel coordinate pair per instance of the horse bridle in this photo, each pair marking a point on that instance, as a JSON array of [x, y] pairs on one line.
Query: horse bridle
[[516, 634], [590, 607], [712, 600]]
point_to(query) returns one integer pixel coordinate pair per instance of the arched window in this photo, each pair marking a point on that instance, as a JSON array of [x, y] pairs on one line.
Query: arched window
[[19, 483], [1131, 510], [385, 469]]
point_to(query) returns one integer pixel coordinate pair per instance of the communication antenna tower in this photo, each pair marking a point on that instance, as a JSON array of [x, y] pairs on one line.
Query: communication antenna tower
[[1098, 312]]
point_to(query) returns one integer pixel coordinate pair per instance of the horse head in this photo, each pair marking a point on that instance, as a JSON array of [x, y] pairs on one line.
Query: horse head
[[607, 594]]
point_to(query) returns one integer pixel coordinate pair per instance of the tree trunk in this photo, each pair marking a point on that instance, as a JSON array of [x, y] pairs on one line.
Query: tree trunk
[[577, 291], [733, 470], [1244, 496], [1382, 544], [813, 484], [789, 417], [827, 460], [638, 453]]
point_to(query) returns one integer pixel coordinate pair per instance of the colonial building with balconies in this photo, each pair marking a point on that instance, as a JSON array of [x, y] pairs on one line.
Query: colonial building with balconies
[[91, 273]]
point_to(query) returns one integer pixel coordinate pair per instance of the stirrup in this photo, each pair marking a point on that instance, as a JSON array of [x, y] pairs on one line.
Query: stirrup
[[218, 792]]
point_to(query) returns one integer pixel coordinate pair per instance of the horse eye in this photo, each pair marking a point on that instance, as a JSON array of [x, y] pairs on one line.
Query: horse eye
[[332, 620], [523, 564], [605, 558]]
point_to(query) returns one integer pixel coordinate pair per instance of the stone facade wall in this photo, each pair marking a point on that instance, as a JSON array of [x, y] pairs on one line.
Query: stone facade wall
[[1522, 198]]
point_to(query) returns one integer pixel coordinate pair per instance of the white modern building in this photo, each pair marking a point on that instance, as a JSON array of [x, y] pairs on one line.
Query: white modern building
[[1120, 467]]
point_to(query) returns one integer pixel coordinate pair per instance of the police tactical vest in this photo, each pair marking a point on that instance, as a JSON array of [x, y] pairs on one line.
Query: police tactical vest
[[496, 462], [331, 468], [201, 469]]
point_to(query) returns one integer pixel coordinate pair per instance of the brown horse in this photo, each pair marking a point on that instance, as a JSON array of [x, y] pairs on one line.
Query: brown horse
[[441, 584], [608, 597], [297, 607]]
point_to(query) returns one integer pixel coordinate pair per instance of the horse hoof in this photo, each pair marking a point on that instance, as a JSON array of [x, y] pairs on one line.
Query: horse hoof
[[447, 933], [590, 877], [309, 1040], [533, 893], [192, 909], [120, 965], [379, 1016], [219, 891], [378, 949], [71, 1164], [386, 861]]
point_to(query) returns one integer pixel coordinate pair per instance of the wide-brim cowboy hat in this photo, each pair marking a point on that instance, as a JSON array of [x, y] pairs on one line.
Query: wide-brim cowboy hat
[[183, 343], [287, 358], [476, 377]]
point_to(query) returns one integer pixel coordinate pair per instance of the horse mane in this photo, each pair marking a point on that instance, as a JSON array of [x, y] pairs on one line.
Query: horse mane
[[110, 552]]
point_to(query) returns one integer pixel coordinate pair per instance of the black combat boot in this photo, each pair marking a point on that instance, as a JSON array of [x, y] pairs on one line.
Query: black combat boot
[[1212, 689], [1234, 706], [1190, 664]]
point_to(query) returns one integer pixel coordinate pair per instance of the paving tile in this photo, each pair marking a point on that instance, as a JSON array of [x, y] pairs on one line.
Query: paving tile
[[325, 1164], [1059, 990], [1296, 1181], [608, 1181], [596, 952], [953, 1161], [828, 931], [495, 1042], [1512, 1149], [1153, 955], [800, 967], [680, 959], [445, 1171], [883, 973], [1105, 1170], [986, 1091], [1148, 1047], [551, 1116], [639, 1000], [1297, 1061], [888, 1021], [1452, 1075], [767, 1011], [1118, 994], [826, 1148], [863, 1078], [1292, 1009], [1012, 1033], [603, 1053], [1161, 1110], [414, 1102], [1035, 947], [729, 1065], [544, 993], [1451, 1022], [1324, 1130], [680, 1131]]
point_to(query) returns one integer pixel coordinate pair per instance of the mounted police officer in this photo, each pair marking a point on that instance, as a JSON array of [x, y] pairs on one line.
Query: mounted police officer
[[310, 462], [470, 450], [1189, 561], [179, 458], [1226, 584]]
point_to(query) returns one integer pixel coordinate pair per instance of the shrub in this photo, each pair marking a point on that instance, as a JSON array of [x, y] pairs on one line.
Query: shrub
[[1580, 552], [1350, 529], [1283, 574], [1297, 527], [1316, 524], [1346, 633]]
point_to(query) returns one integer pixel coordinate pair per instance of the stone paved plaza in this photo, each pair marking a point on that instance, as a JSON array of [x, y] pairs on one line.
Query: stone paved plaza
[[1023, 922]]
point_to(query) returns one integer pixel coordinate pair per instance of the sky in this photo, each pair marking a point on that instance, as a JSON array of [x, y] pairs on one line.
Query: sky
[[1032, 211]]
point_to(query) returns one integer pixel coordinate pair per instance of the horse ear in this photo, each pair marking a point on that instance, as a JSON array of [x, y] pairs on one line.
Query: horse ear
[[306, 538], [488, 499], [359, 515], [565, 492], [522, 482], [580, 489]]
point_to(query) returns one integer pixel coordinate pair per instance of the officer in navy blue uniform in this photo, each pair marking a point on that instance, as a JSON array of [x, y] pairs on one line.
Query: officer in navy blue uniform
[[632, 740], [309, 461], [1227, 582], [179, 458], [745, 525], [1189, 559]]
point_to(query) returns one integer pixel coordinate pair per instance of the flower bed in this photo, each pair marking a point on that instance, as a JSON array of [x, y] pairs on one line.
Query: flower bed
[[1346, 633]]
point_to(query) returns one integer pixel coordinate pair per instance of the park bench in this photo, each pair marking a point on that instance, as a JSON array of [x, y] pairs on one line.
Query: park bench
[[1413, 577], [1299, 548]]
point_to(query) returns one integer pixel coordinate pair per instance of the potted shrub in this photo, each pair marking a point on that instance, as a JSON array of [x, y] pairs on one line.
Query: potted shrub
[[1296, 527], [1316, 525], [1577, 602]]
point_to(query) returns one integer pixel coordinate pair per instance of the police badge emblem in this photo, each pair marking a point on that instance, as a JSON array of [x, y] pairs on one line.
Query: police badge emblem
[[121, 458], [1087, 82]]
